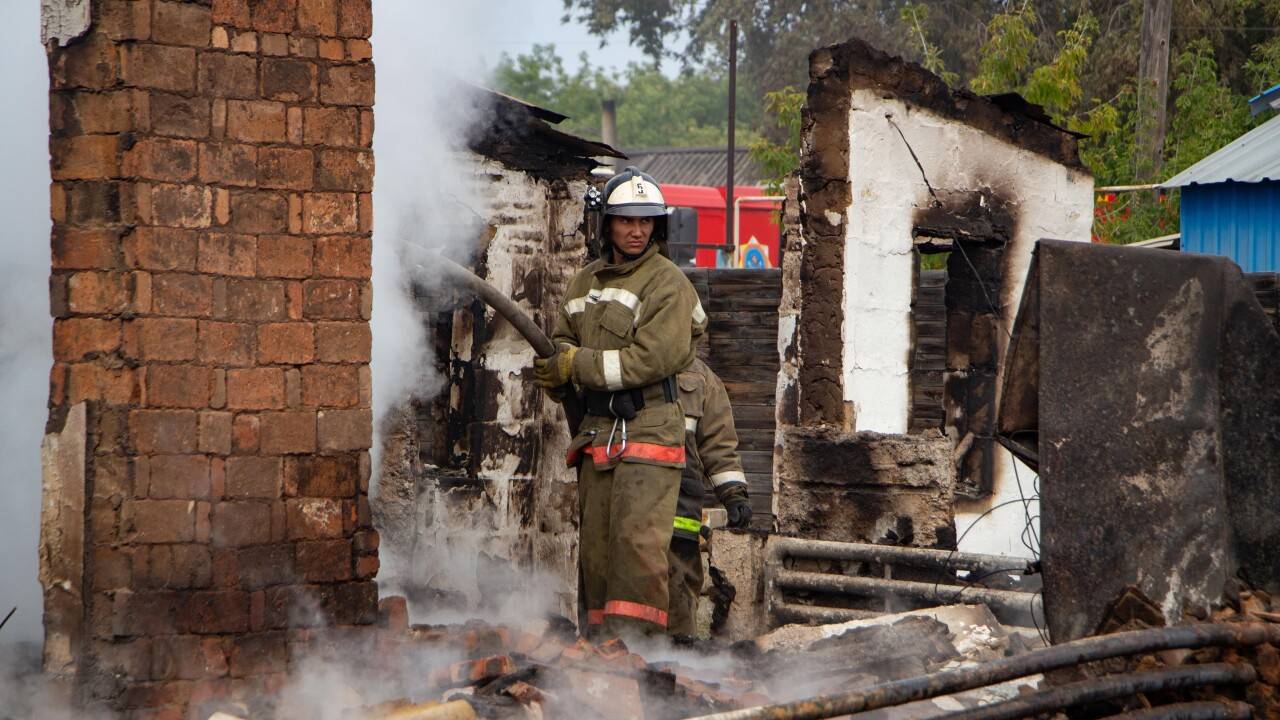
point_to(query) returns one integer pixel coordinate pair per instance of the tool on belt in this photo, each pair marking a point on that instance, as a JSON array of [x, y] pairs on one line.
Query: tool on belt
[[624, 405]]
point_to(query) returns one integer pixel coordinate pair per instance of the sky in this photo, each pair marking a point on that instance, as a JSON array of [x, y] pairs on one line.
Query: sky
[[493, 27], [25, 326], [516, 26]]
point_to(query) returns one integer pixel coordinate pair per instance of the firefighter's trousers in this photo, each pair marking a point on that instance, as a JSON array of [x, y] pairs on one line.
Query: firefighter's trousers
[[627, 512], [684, 582]]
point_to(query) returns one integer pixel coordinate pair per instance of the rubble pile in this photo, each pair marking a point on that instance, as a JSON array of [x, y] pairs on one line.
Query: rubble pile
[[956, 662], [1134, 611], [543, 669]]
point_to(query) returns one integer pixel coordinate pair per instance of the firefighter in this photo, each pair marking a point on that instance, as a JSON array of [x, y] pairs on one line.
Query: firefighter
[[629, 324], [711, 455]]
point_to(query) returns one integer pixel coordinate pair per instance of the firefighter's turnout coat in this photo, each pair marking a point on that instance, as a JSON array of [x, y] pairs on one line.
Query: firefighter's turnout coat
[[711, 447], [711, 458], [637, 324]]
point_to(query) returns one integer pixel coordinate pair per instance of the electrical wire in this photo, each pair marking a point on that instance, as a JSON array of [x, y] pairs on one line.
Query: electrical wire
[[946, 564], [1030, 527], [974, 582], [1029, 538], [1043, 633]]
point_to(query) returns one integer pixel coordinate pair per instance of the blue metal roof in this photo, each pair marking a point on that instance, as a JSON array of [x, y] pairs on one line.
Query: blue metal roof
[[1252, 157], [1268, 99], [1238, 220]]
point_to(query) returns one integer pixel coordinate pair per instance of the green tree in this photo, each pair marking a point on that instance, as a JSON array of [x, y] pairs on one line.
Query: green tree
[[1006, 55], [653, 109], [1207, 114], [1076, 58], [915, 16], [776, 36], [778, 159]]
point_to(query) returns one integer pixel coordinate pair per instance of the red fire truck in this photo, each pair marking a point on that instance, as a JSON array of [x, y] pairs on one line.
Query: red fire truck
[[696, 226]]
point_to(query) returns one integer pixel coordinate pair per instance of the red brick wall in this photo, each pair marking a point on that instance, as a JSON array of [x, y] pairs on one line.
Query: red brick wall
[[211, 259]]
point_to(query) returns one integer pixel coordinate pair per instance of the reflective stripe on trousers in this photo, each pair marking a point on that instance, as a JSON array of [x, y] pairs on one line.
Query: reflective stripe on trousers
[[688, 524], [629, 609], [641, 451], [626, 608]]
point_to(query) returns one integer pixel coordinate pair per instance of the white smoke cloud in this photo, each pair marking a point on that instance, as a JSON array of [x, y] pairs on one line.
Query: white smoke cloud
[[422, 185], [25, 325], [426, 195]]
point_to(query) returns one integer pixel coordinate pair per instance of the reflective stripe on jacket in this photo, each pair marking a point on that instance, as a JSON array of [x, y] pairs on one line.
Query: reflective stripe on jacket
[[637, 323], [711, 445]]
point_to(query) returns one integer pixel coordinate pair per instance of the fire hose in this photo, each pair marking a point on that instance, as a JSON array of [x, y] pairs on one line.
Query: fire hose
[[523, 324], [1069, 654]]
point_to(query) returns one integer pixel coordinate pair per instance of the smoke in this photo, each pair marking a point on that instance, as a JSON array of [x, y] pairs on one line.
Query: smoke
[[25, 326], [26, 693], [423, 183], [428, 197]]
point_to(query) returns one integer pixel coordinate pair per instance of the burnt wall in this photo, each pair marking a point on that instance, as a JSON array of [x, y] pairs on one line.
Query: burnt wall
[[477, 473], [895, 163], [824, 196], [866, 487]]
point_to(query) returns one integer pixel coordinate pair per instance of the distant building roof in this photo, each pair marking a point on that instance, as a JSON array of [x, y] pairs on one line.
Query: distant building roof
[[1268, 99], [1252, 157], [694, 165]]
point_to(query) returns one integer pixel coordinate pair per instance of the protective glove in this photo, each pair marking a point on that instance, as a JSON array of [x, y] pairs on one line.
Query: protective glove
[[739, 513], [738, 509], [556, 370]]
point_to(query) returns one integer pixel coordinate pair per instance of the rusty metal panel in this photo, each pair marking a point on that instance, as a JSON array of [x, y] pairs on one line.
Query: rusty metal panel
[[1156, 407]]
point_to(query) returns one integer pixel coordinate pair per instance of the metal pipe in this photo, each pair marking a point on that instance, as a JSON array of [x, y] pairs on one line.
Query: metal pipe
[[1010, 606], [795, 612], [1109, 688], [1206, 710], [781, 547], [609, 127], [1037, 661], [1126, 188]]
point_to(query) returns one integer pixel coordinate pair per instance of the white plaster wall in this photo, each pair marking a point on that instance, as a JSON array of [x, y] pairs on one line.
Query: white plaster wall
[[64, 20], [533, 232], [1049, 200]]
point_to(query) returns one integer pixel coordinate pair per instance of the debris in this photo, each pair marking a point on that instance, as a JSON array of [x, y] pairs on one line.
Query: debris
[[470, 672], [456, 710], [1227, 640], [974, 631]]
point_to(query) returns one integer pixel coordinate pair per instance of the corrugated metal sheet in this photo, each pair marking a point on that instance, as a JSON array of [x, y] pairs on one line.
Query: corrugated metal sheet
[[1252, 157], [694, 165], [1238, 220]]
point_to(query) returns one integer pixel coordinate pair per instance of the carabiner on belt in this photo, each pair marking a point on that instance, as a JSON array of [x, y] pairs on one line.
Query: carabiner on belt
[[609, 443]]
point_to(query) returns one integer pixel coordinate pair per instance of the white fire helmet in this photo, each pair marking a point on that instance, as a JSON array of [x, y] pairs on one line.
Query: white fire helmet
[[632, 193]]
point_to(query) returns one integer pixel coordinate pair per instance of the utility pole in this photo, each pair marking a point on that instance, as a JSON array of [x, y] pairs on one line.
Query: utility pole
[[1153, 88], [729, 240]]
